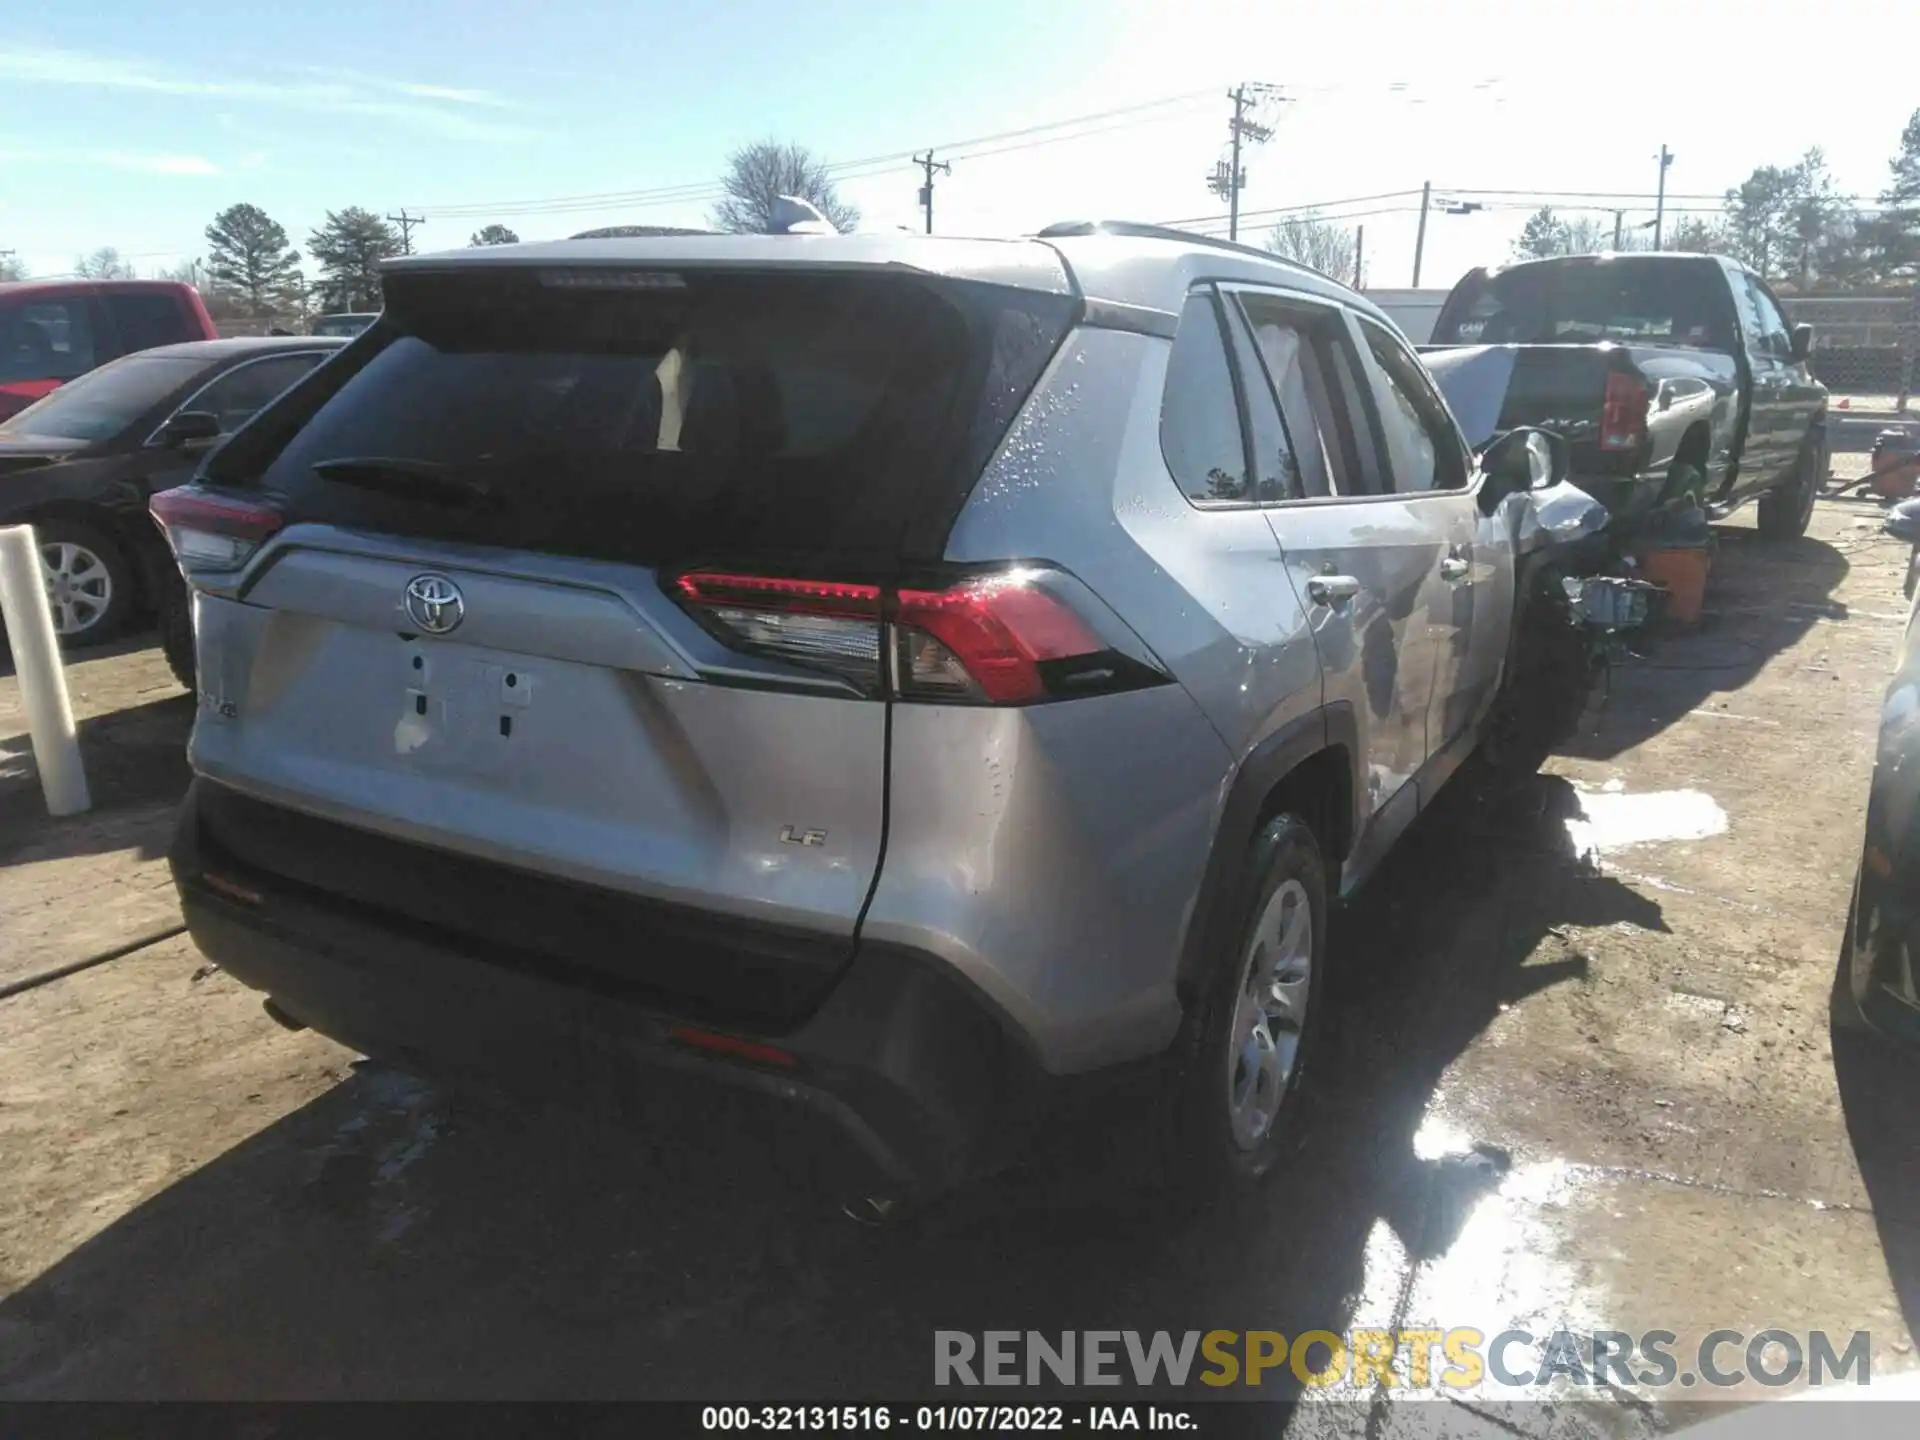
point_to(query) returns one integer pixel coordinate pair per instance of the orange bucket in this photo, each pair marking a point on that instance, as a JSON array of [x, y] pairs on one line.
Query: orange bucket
[[1680, 570]]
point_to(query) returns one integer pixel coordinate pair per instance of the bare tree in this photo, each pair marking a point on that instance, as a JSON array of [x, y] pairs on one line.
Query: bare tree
[[103, 264], [1331, 249], [1696, 236], [758, 175], [186, 272]]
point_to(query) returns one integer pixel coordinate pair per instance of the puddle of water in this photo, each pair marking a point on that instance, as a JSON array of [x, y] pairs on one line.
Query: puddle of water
[[1614, 820]]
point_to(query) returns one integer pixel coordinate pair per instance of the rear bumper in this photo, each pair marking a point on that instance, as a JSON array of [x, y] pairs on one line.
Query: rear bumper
[[901, 1057]]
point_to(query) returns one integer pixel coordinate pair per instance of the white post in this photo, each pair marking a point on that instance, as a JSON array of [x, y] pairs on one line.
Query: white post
[[36, 661]]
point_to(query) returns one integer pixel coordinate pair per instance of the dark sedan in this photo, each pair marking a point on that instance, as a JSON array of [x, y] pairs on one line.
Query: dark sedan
[[1883, 952], [80, 465]]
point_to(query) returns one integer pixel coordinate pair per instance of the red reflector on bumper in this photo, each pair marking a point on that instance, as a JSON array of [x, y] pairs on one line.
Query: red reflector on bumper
[[735, 1046]]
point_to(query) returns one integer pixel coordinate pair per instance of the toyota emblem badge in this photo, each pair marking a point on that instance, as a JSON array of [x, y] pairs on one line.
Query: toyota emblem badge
[[435, 604]]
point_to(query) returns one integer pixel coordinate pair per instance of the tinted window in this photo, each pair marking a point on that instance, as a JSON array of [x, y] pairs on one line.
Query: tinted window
[[241, 391], [146, 318], [1199, 417], [103, 403], [45, 340], [1288, 358], [1772, 336], [1579, 302], [1422, 445], [343, 325], [800, 415]]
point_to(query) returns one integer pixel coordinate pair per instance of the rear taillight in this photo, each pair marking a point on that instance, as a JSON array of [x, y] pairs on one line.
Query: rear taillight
[[209, 532], [818, 624], [1007, 639], [1623, 412], [986, 639]]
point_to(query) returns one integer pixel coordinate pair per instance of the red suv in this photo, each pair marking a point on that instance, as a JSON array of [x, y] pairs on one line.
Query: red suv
[[53, 330]]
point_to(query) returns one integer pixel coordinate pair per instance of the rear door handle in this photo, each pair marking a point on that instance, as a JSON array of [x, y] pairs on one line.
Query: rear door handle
[[1332, 589]]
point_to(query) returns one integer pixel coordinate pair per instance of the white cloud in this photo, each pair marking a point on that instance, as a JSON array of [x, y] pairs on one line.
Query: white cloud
[[447, 94], [432, 109], [189, 165]]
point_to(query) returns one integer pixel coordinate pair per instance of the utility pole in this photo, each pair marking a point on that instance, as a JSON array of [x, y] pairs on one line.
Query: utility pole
[[1228, 179], [406, 223], [1359, 254], [1618, 216], [1660, 203], [1420, 238], [926, 162]]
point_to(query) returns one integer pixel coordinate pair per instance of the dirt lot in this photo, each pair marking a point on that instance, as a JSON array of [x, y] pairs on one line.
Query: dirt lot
[[1628, 1013]]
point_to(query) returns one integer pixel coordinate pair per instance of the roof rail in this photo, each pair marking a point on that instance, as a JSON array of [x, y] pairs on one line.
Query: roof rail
[[1140, 230]]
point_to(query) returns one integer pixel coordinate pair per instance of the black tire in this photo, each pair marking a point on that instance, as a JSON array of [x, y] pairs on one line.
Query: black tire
[[108, 577], [1543, 697], [175, 622], [1785, 511], [1202, 1152]]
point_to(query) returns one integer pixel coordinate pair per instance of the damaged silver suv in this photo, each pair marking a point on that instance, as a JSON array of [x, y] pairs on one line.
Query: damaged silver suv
[[913, 677]]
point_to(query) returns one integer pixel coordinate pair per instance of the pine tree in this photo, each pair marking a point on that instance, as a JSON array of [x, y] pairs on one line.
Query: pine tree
[[349, 249], [251, 264]]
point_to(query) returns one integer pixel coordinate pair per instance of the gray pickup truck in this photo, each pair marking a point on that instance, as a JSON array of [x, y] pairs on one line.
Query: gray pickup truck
[[1673, 378]]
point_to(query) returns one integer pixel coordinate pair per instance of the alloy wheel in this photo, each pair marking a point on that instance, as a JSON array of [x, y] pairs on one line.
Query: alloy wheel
[[79, 587], [1269, 1013]]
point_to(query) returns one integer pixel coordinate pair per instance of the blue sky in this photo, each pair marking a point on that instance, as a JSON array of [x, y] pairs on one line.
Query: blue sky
[[130, 124]]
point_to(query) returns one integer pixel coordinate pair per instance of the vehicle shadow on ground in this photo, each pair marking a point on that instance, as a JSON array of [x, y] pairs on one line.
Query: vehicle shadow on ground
[[136, 762], [1762, 598], [385, 1241], [1878, 1080], [126, 644]]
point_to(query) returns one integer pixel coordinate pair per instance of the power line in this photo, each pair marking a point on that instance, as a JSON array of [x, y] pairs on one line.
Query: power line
[[927, 163], [708, 189], [1294, 209], [406, 223]]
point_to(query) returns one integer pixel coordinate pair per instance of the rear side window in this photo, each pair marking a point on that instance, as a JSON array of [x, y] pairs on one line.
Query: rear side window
[[146, 318], [46, 340], [1199, 417], [244, 389], [697, 416]]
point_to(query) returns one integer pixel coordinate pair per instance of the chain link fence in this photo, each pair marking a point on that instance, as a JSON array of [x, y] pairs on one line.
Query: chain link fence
[[1863, 345]]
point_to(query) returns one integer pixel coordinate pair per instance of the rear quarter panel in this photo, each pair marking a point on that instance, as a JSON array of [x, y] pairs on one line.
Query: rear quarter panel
[[1055, 854]]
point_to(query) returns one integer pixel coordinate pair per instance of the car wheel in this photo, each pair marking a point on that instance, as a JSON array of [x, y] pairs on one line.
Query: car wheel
[[176, 630], [1248, 1042], [1785, 512], [89, 583]]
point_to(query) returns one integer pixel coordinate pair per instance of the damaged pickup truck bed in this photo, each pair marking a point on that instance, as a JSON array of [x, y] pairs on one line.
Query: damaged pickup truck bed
[[1674, 379]]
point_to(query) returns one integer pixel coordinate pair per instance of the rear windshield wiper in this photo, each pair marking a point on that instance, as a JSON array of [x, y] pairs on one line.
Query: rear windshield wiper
[[414, 479]]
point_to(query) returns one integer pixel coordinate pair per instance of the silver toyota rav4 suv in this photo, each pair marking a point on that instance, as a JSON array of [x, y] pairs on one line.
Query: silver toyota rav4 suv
[[915, 677]]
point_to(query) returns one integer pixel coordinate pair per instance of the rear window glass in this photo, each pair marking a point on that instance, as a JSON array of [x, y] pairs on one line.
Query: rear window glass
[[104, 402], [146, 318], [782, 413], [1651, 302]]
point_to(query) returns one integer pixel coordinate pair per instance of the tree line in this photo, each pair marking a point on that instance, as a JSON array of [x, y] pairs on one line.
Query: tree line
[[1787, 222], [252, 270]]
